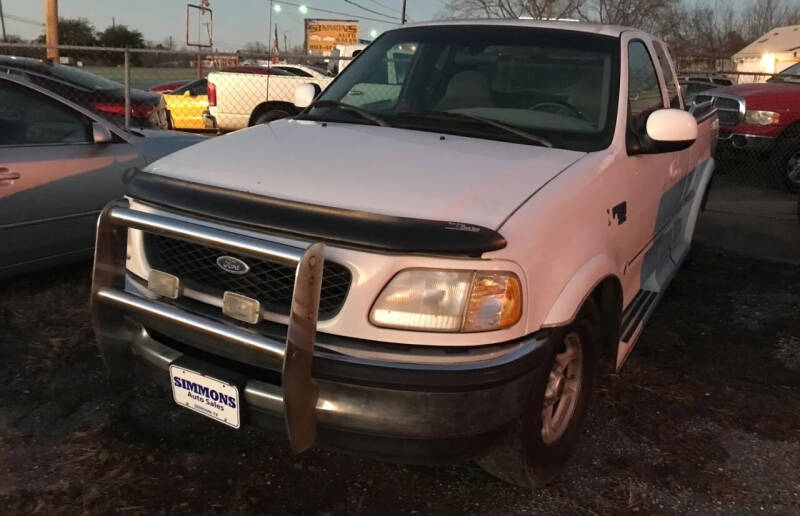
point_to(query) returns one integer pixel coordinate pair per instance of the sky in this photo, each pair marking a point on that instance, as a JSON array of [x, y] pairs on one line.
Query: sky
[[236, 22]]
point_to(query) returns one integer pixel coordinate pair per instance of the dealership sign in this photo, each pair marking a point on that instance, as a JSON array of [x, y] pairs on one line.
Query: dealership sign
[[322, 36]]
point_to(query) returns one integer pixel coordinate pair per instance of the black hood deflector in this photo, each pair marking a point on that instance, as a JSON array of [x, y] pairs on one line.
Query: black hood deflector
[[320, 223]]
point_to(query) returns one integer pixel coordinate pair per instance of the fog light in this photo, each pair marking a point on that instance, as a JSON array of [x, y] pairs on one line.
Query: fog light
[[241, 308], [164, 284]]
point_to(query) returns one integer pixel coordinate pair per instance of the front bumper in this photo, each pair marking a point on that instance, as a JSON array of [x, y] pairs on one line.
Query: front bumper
[[209, 120], [405, 411], [745, 142]]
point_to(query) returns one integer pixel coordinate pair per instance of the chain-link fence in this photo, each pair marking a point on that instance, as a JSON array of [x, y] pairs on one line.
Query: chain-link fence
[[759, 143], [192, 91]]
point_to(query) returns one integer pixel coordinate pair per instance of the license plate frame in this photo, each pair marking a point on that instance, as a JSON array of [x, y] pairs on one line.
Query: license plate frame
[[193, 390]]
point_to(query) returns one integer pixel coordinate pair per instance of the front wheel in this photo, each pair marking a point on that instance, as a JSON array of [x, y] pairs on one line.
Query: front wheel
[[785, 162], [541, 441]]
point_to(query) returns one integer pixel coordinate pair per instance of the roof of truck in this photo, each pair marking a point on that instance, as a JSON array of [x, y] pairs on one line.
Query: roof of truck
[[594, 28]]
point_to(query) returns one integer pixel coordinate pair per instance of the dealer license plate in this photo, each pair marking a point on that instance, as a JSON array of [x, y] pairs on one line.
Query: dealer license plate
[[211, 397]]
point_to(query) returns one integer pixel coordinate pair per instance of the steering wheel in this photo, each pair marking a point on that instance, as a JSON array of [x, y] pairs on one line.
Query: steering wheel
[[554, 106]]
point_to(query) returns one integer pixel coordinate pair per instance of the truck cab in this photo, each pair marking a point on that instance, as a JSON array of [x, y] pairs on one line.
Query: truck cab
[[515, 199]]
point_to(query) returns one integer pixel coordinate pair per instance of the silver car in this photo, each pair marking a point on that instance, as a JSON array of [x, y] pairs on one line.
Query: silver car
[[59, 165]]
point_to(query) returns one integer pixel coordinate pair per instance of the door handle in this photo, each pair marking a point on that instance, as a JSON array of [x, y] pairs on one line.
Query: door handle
[[7, 175]]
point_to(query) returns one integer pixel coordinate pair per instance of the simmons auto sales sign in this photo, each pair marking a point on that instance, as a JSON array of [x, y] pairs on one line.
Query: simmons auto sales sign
[[323, 35]]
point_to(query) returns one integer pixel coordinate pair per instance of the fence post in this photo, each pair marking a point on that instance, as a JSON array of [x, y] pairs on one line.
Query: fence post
[[127, 89]]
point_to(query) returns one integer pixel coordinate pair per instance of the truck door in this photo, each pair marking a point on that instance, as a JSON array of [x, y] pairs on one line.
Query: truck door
[[650, 259], [680, 184]]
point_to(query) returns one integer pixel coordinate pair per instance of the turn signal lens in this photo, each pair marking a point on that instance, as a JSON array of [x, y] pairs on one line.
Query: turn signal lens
[[495, 302], [449, 301]]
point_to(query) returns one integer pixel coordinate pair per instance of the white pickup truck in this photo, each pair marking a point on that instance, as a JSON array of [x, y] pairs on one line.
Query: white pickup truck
[[239, 100], [517, 197]]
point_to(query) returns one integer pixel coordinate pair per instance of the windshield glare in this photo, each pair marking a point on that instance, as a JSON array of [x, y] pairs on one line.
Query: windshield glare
[[556, 84]]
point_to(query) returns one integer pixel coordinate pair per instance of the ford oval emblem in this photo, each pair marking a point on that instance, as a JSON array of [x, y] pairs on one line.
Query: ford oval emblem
[[232, 265]]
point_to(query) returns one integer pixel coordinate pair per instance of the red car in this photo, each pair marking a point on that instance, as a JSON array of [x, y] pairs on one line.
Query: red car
[[763, 119], [167, 87]]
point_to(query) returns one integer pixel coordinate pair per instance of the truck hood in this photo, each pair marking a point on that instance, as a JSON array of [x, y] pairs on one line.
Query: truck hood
[[399, 172], [762, 90]]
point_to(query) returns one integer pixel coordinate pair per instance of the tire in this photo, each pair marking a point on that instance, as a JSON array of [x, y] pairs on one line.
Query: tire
[[798, 208], [269, 116], [785, 162], [534, 450]]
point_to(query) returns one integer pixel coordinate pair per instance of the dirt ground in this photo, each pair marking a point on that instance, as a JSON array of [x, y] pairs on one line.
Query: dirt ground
[[703, 419]]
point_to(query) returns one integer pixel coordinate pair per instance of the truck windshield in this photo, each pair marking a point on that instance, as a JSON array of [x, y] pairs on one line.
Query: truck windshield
[[546, 85], [791, 74]]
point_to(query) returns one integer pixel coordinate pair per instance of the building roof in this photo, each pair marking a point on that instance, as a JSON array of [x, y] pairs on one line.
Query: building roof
[[777, 41]]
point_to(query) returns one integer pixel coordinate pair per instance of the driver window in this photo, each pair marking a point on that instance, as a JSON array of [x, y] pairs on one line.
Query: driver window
[[30, 118], [644, 92]]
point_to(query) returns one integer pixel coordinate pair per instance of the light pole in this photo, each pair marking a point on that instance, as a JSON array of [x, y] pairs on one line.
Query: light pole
[[3, 21], [269, 29], [51, 29], [403, 17]]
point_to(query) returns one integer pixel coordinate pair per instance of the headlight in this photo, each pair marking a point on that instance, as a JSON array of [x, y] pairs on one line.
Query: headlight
[[449, 301], [761, 117]]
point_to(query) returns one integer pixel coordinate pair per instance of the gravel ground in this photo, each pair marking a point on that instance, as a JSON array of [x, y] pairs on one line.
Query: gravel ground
[[703, 419]]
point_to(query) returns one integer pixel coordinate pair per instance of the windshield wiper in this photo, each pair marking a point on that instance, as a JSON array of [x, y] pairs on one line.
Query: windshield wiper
[[351, 108], [488, 121]]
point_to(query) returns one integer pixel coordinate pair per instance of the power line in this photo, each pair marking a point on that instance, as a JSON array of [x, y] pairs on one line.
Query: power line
[[395, 9], [338, 13], [351, 2], [22, 19]]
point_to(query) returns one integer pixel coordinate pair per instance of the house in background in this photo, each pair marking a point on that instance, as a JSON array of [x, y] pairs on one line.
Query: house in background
[[772, 53]]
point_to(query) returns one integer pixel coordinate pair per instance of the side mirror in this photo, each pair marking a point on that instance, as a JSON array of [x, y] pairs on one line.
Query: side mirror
[[101, 134], [671, 130], [187, 93], [305, 94]]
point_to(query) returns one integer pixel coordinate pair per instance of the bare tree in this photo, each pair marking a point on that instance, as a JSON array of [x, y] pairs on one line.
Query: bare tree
[[709, 28], [538, 9], [764, 15], [645, 14]]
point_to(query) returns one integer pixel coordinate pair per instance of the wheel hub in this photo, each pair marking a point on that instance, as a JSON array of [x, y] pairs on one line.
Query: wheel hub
[[563, 389], [555, 387]]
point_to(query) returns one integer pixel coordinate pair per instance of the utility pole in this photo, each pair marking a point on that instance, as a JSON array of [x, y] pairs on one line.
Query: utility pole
[[403, 17], [3, 21], [51, 29]]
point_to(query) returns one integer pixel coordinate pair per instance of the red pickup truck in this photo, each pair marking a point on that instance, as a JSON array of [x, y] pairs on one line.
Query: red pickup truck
[[764, 119]]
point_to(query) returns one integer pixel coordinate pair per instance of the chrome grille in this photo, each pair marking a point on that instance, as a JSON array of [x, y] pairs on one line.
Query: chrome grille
[[729, 109], [728, 117], [271, 283], [726, 103]]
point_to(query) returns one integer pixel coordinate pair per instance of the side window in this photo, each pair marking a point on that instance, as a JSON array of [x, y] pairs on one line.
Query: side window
[[673, 92], [29, 118], [644, 92], [199, 89], [297, 71]]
